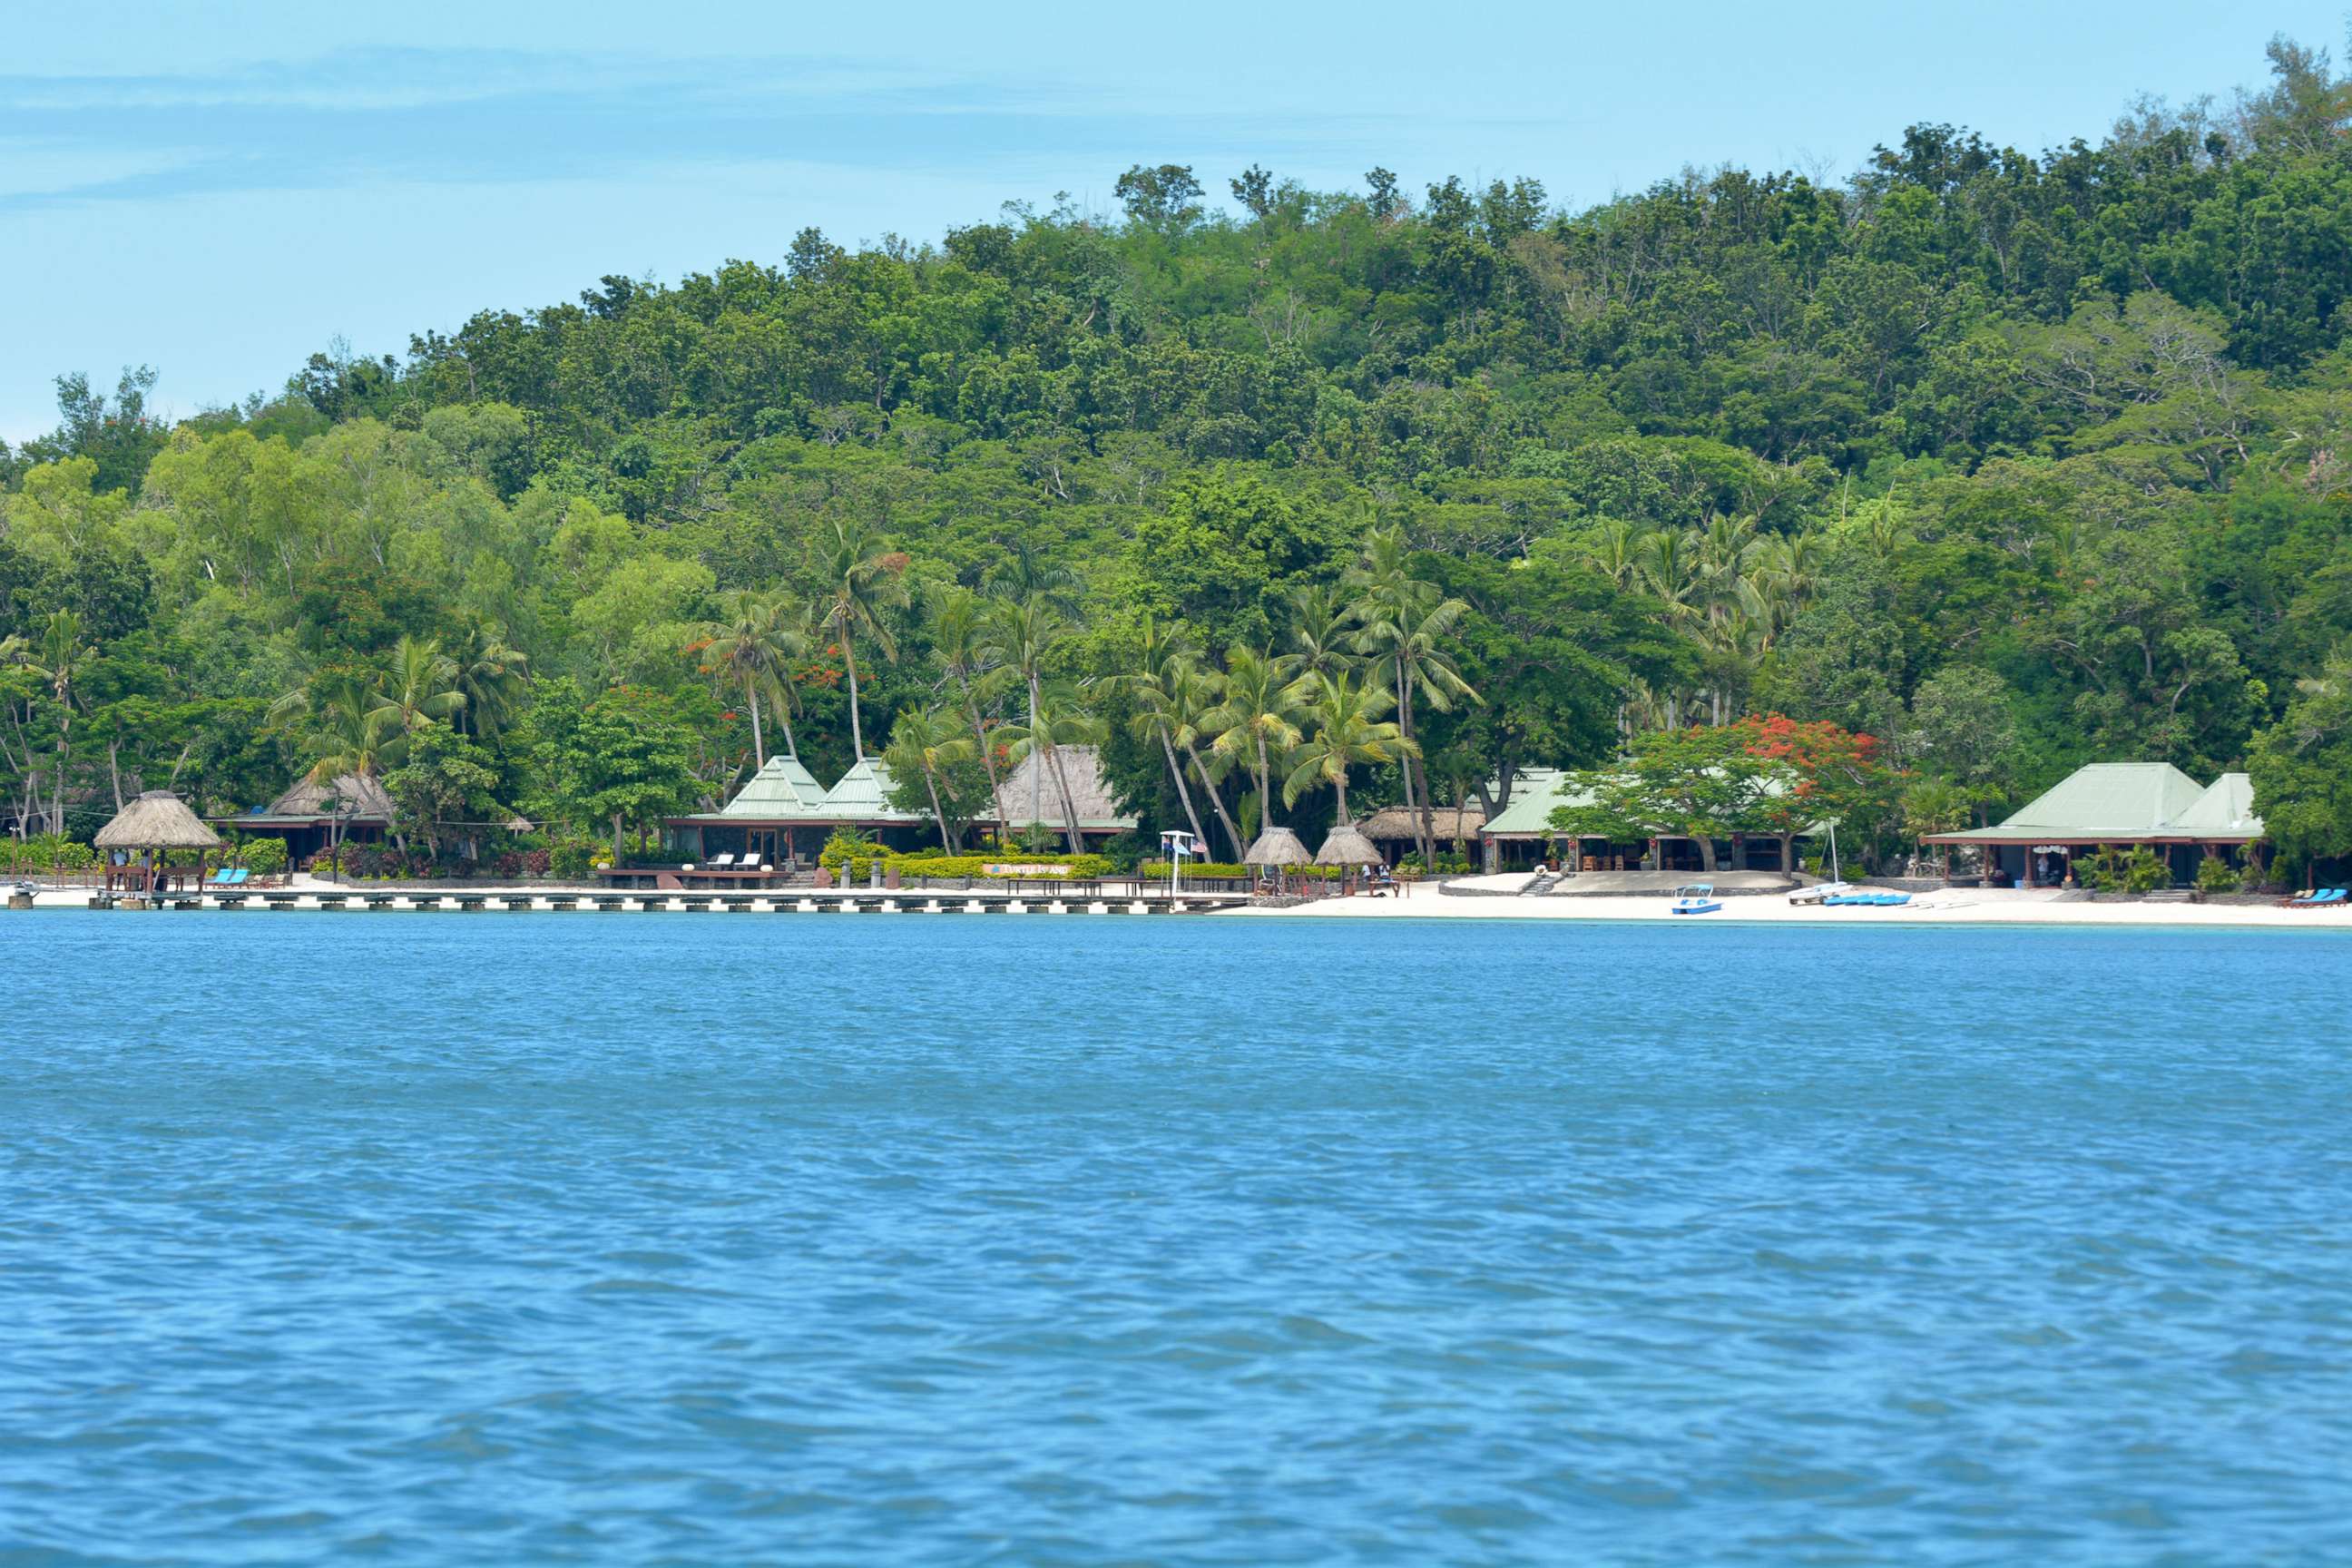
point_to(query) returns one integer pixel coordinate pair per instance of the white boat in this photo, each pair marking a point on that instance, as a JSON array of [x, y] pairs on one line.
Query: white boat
[[1696, 899], [1835, 887]]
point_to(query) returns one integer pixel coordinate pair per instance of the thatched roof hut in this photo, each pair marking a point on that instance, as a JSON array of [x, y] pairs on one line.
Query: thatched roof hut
[[157, 820], [1276, 846], [1346, 846], [1394, 824], [1092, 796]]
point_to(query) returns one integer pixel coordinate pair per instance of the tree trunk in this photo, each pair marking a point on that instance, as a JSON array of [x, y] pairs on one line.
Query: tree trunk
[[1176, 771], [619, 845], [1069, 803], [1217, 804], [1265, 788], [1705, 852], [759, 746], [1038, 773], [931, 783], [857, 733]]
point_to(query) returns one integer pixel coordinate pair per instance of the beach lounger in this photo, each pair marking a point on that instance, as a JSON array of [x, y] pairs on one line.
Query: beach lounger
[[2320, 900], [722, 863]]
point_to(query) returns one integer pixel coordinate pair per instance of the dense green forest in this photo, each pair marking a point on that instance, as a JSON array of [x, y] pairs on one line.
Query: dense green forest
[[2009, 460]]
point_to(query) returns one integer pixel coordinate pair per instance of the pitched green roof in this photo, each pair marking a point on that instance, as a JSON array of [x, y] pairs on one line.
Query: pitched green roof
[[779, 792], [2104, 802], [1536, 793], [2225, 809], [863, 795]]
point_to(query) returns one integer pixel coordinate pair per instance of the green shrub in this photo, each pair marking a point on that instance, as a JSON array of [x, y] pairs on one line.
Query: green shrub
[[46, 850], [574, 859], [262, 855], [2146, 871], [2215, 874], [1158, 868]]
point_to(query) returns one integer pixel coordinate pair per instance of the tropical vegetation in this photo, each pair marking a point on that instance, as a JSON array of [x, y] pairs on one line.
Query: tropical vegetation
[[2005, 459]]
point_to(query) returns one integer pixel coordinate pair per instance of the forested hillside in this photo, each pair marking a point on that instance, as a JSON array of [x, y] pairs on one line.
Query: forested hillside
[[2010, 460]]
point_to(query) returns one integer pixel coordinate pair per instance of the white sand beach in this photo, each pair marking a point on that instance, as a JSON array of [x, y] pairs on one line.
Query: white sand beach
[[1944, 906]]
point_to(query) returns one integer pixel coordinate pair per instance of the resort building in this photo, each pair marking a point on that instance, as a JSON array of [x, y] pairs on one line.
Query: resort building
[[782, 817], [352, 809], [1521, 835], [1031, 797], [2123, 805]]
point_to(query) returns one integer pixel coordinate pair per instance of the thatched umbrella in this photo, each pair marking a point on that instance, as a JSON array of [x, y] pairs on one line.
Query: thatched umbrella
[[1278, 848], [1347, 845], [157, 820]]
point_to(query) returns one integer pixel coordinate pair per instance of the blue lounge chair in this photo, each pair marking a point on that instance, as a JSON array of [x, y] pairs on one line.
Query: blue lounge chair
[[2321, 898]]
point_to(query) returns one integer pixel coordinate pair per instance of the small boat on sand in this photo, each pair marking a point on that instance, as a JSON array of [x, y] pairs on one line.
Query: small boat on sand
[[1696, 899]]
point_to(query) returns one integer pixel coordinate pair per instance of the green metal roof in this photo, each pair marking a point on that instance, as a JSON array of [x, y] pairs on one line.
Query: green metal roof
[[785, 791], [863, 795], [2226, 809], [781, 791], [1536, 793], [2110, 803]]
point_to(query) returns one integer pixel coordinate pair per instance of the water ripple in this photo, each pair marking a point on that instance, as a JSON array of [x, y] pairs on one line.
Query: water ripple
[[1162, 1242]]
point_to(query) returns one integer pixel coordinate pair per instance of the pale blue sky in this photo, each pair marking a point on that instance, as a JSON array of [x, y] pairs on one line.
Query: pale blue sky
[[221, 197]]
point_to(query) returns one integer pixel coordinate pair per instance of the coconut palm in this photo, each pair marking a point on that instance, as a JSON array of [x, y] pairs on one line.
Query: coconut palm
[[1345, 728], [1615, 551], [1409, 624], [961, 638], [1322, 630], [1255, 720], [862, 579], [929, 740], [1160, 666], [1023, 633], [1059, 716], [420, 686], [493, 679], [357, 734], [58, 659], [754, 645]]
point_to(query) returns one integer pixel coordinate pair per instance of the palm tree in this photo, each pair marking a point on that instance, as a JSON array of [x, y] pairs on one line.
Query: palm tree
[[1158, 675], [961, 638], [359, 735], [862, 579], [1407, 623], [1021, 577], [420, 686], [1059, 716], [1256, 718], [1347, 728], [59, 658], [927, 741], [1024, 632], [1615, 551], [493, 679], [1322, 630], [754, 645]]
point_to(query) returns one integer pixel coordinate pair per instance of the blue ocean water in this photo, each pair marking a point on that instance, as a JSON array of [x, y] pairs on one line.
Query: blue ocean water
[[800, 1239]]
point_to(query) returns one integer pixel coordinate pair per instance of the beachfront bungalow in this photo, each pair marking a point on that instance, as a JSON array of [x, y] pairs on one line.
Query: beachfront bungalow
[[1521, 835], [352, 809], [2126, 805], [1029, 796], [783, 816]]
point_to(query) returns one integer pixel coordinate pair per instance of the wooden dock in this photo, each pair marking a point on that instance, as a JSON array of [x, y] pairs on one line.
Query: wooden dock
[[808, 901]]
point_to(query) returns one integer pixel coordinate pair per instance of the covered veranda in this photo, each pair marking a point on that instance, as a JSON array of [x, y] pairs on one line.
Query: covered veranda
[[2119, 806]]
